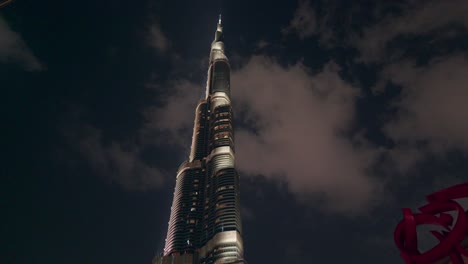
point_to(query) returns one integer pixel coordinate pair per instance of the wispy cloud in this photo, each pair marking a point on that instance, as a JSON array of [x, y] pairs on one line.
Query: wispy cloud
[[339, 23], [319, 20], [14, 49], [157, 39], [416, 18], [172, 122], [304, 22], [123, 162], [118, 163], [432, 108], [262, 44]]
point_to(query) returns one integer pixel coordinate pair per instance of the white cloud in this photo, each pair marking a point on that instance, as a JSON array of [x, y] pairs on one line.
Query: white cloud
[[299, 120], [157, 39], [14, 49], [433, 104]]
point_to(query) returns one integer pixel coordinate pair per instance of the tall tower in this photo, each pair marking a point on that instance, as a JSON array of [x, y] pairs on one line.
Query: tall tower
[[205, 223]]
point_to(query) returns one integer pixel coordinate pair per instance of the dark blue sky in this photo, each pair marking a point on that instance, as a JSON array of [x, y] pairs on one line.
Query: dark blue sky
[[345, 113]]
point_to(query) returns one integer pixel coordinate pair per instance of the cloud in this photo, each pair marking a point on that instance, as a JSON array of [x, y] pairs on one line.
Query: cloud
[[157, 39], [172, 122], [291, 124], [262, 44], [298, 122], [118, 163], [339, 23], [330, 22], [432, 108], [14, 49], [124, 163], [430, 111], [304, 22], [417, 18]]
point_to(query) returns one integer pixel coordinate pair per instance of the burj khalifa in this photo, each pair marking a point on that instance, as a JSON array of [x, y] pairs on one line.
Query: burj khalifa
[[205, 222]]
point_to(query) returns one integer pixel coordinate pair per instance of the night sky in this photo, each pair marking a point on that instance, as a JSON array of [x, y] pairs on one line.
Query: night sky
[[345, 112]]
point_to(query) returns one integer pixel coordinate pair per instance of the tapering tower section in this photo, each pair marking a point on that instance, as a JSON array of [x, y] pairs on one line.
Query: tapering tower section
[[205, 223]]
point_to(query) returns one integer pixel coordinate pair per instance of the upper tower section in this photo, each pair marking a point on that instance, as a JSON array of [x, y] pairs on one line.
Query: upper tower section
[[219, 73], [217, 46]]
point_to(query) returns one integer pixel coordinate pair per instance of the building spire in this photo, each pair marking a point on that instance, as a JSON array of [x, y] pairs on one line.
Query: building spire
[[219, 27], [219, 31]]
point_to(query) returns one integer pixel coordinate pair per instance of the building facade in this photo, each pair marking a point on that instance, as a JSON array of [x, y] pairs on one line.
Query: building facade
[[205, 223]]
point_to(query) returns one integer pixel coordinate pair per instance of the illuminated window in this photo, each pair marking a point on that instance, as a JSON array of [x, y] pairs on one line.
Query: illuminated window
[[193, 209], [222, 135], [192, 221], [194, 203]]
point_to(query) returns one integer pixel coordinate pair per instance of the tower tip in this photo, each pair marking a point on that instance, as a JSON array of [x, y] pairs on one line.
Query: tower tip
[[219, 22]]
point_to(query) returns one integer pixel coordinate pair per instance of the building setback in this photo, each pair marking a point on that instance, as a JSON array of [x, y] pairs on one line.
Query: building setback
[[205, 223]]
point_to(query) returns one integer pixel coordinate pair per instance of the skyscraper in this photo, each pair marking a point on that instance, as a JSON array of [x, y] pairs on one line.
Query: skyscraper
[[205, 223]]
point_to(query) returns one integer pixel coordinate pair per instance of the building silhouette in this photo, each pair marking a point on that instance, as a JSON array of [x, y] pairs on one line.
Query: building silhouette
[[205, 223]]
